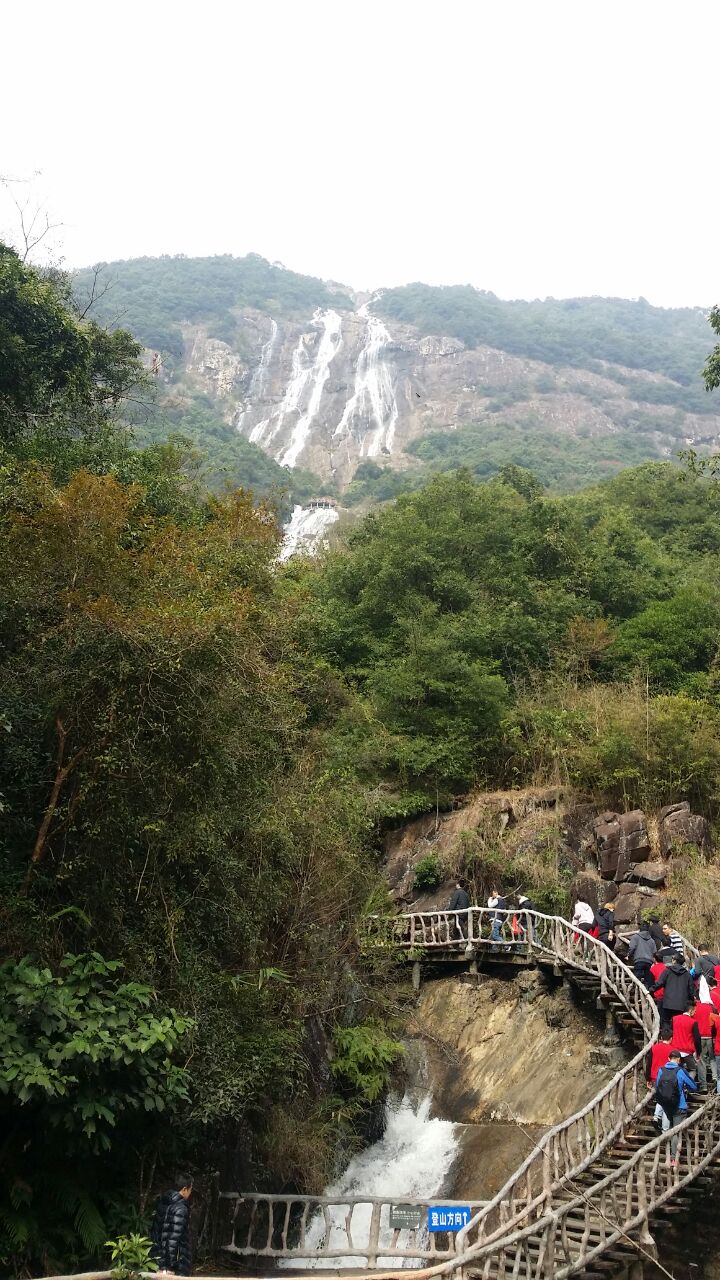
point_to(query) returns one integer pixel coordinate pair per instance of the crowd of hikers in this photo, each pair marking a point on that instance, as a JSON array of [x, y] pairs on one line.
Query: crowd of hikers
[[686, 1058]]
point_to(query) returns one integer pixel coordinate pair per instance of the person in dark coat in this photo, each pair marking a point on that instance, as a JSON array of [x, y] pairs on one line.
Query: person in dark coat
[[170, 1231], [642, 953], [656, 932], [458, 902], [605, 917], [679, 989]]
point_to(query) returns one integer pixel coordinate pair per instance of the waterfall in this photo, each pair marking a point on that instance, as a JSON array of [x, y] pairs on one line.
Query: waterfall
[[411, 1161], [257, 383], [299, 374], [317, 376], [306, 530], [374, 397]]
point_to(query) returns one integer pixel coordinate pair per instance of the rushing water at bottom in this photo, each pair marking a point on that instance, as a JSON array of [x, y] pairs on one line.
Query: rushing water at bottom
[[411, 1161]]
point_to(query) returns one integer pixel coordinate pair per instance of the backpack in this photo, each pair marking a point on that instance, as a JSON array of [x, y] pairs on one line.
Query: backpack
[[667, 1089]]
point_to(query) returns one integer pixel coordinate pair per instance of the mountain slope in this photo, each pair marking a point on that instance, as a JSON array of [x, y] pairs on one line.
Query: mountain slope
[[415, 379]]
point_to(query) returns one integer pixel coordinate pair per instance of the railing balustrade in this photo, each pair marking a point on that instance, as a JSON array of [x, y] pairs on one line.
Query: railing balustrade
[[313, 1227]]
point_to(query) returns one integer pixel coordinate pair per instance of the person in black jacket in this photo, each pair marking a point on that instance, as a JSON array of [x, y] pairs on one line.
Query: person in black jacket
[[170, 1232], [605, 917], [458, 902], [656, 932], [679, 989]]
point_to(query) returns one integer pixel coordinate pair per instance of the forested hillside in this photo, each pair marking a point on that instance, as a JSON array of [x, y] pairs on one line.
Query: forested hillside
[[203, 749], [415, 381]]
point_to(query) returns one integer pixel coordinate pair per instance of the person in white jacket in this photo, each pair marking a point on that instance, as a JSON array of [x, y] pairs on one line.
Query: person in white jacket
[[584, 917]]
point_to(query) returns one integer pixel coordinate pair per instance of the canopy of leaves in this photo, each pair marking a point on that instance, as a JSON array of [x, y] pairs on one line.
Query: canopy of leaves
[[581, 332], [154, 297], [58, 372]]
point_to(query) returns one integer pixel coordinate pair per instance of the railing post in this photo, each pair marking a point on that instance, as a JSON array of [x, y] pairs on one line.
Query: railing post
[[374, 1238]]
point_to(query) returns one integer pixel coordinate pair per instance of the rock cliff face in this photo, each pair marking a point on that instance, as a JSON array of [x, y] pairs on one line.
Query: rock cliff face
[[341, 386], [505, 1058], [550, 841]]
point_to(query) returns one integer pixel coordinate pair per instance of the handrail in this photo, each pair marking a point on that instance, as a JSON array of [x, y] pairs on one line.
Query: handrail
[[281, 1226], [527, 1229], [611, 1210], [570, 1146]]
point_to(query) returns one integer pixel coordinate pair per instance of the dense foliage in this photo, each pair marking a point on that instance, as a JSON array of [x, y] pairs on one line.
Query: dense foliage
[[154, 297], [581, 332], [450, 605], [166, 801], [224, 459], [200, 749]]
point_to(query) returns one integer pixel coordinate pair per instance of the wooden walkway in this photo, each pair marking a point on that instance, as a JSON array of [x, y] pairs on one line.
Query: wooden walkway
[[584, 1201]]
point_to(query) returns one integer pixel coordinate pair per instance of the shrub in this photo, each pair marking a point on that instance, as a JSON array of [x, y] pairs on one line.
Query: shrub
[[428, 872]]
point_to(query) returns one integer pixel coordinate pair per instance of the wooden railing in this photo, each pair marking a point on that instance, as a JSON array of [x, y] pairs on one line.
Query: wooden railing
[[572, 1145], [313, 1227], [532, 1228], [440, 930], [573, 1232]]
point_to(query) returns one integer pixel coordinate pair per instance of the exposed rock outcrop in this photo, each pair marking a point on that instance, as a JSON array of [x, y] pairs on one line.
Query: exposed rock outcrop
[[492, 1054], [678, 827]]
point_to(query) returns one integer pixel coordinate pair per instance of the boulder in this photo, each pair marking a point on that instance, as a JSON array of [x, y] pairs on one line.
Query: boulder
[[682, 807], [634, 900], [608, 891], [607, 844], [587, 887], [679, 826], [623, 867], [628, 908], [634, 836], [649, 873]]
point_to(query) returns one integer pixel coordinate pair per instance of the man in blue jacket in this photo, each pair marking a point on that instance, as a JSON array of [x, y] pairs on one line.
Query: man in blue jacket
[[671, 1098]]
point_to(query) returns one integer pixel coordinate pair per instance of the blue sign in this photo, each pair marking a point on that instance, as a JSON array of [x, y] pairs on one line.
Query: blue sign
[[448, 1217]]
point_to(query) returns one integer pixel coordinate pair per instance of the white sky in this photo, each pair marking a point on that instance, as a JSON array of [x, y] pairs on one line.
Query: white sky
[[531, 147]]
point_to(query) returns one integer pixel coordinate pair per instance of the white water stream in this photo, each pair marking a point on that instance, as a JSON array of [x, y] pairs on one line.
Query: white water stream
[[307, 530], [374, 397], [410, 1161], [257, 382], [317, 376]]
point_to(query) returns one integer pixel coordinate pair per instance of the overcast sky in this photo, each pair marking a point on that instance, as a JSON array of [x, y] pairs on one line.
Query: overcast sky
[[531, 147]]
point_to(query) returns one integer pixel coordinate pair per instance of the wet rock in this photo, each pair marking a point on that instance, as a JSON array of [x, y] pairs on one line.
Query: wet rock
[[611, 1057], [608, 891], [649, 873], [678, 826]]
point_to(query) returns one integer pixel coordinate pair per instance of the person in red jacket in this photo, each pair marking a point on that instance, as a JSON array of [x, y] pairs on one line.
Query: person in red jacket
[[656, 970], [715, 1020], [656, 1059], [686, 1038], [703, 1017]]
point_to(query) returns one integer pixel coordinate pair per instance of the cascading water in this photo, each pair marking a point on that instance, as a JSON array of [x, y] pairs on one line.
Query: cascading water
[[374, 396], [411, 1161], [307, 530], [329, 345], [257, 382], [299, 374]]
